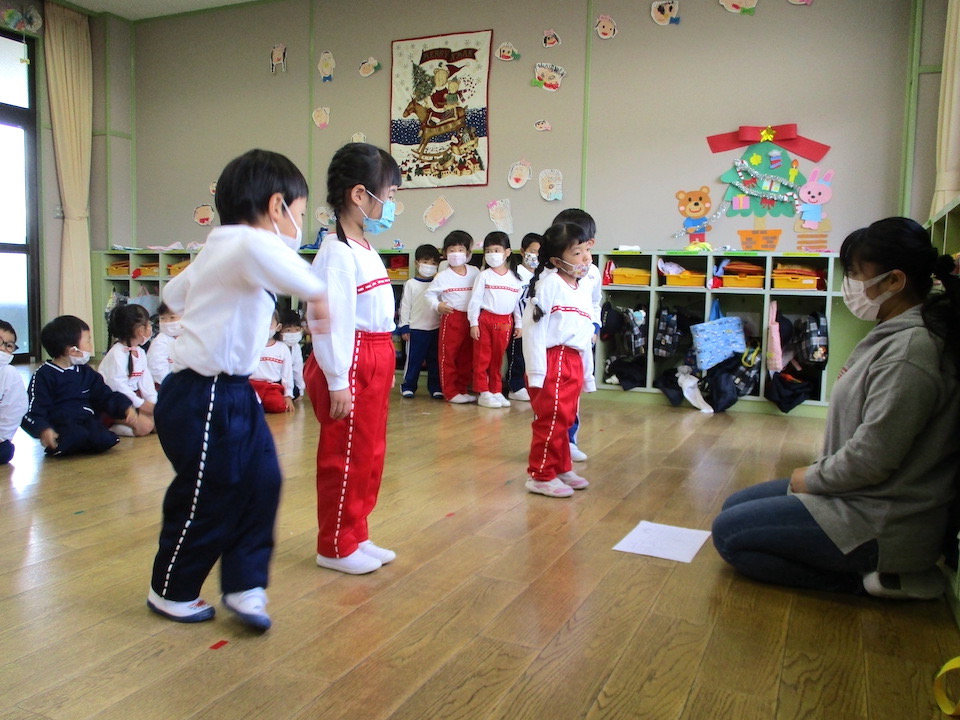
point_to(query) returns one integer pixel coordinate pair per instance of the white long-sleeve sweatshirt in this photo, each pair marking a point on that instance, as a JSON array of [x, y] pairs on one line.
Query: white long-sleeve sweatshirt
[[358, 297], [495, 293], [160, 356], [136, 383], [13, 401], [225, 298], [452, 288], [276, 366], [567, 320], [415, 310]]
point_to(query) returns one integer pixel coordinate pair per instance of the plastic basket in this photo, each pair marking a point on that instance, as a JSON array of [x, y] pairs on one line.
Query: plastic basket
[[687, 279], [630, 276], [743, 281]]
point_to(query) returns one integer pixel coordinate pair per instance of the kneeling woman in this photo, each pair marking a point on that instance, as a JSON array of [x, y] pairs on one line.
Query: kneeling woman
[[871, 514]]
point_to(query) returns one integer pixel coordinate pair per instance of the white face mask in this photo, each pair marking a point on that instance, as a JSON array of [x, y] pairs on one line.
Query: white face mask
[[456, 259], [5, 358], [856, 299], [293, 338], [145, 340], [531, 260], [292, 243], [426, 269], [173, 329], [82, 360], [493, 259]]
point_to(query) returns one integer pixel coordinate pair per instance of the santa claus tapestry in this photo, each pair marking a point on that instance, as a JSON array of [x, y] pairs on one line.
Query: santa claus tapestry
[[438, 109]]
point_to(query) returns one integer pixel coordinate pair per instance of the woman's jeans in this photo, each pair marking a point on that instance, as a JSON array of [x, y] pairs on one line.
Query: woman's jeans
[[770, 536]]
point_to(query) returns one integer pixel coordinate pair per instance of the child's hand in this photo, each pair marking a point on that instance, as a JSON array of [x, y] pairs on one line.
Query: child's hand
[[517, 332], [405, 336], [341, 403], [147, 408], [288, 401], [475, 332], [48, 438], [131, 417], [444, 309]]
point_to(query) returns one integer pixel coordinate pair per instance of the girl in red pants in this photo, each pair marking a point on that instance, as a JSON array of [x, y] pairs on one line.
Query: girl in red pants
[[273, 378], [351, 370], [557, 335]]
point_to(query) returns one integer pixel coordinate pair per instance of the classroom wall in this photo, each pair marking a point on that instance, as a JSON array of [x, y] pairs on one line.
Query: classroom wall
[[630, 119]]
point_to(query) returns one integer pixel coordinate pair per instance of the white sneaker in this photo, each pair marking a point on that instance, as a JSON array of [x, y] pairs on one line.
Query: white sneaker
[[521, 395], [488, 400], [577, 482], [462, 399], [250, 607], [924, 585], [500, 398], [554, 488], [377, 553], [406, 393], [185, 612], [122, 430], [576, 454], [356, 563]]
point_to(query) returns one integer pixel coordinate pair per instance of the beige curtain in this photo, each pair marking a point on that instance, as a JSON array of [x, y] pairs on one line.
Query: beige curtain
[[948, 124], [66, 44]]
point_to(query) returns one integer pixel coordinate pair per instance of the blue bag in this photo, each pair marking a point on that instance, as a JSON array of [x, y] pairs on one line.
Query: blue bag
[[718, 338]]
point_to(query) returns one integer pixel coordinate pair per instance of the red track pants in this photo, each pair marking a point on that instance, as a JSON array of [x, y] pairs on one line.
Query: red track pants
[[351, 451], [271, 395], [488, 351], [555, 409], [456, 354]]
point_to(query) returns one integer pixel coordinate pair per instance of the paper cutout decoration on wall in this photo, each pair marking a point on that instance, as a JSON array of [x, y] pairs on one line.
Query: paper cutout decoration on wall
[[695, 206], [551, 185], [203, 214], [321, 117], [666, 13], [398, 244], [543, 126], [213, 188], [33, 19], [324, 215], [358, 137], [369, 66], [326, 66], [606, 27], [548, 76], [29, 21], [501, 215], [814, 194], [507, 52], [399, 207], [550, 39], [520, 173], [800, 2], [437, 214], [741, 7], [278, 58]]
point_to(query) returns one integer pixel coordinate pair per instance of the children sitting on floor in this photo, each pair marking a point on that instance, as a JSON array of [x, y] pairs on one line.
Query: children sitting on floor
[[13, 396], [291, 332], [273, 378], [160, 354], [67, 397], [124, 367]]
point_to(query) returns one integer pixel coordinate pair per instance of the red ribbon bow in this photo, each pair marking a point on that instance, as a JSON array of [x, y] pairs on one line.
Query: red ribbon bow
[[783, 135]]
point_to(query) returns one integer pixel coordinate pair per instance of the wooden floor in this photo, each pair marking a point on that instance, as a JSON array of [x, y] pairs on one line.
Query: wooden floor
[[501, 604]]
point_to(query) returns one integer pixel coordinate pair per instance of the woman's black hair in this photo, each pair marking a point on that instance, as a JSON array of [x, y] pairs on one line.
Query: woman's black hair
[[358, 164], [61, 334], [556, 240], [578, 217], [899, 243], [248, 182], [458, 237]]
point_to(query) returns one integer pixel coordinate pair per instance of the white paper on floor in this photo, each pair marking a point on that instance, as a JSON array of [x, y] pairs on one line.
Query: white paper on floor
[[663, 541]]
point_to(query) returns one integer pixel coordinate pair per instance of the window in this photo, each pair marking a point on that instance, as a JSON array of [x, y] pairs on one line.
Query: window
[[19, 236]]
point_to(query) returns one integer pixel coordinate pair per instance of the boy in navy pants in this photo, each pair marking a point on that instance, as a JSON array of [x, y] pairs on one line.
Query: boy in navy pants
[[419, 325]]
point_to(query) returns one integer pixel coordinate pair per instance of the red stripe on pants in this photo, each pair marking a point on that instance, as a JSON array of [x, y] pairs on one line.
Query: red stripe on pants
[[271, 395], [456, 354], [555, 409], [488, 351], [351, 451]]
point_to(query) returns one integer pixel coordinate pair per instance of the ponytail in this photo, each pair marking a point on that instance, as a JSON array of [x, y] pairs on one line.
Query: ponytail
[[532, 292], [941, 310]]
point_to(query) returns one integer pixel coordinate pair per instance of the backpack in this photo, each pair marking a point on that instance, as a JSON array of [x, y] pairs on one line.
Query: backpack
[[667, 339], [811, 340]]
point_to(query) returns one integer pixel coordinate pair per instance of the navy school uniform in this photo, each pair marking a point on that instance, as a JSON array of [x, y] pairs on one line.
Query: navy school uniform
[[71, 401]]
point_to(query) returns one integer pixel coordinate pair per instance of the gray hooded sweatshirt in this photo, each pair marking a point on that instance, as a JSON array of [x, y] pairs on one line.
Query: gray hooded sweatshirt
[[892, 447]]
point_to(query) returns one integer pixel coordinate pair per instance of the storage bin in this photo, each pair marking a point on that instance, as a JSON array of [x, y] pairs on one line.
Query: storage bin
[[795, 282], [150, 269], [687, 279], [177, 268], [630, 276], [121, 267], [398, 273], [743, 281]]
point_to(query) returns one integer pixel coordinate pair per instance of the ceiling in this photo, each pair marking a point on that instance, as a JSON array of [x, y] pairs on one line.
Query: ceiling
[[143, 9]]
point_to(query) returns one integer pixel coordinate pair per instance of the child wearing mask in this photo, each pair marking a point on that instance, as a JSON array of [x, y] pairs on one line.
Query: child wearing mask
[[493, 304], [449, 295], [525, 267], [124, 367], [273, 378], [67, 397], [291, 332], [13, 396], [160, 353], [420, 325]]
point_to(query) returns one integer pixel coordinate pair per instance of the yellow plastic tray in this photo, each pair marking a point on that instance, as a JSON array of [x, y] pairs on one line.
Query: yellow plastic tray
[[743, 281], [687, 279], [631, 276], [795, 282]]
